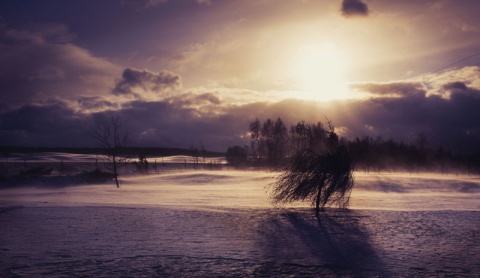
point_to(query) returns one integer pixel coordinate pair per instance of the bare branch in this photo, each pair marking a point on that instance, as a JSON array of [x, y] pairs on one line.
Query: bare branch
[[113, 140], [330, 125], [322, 179]]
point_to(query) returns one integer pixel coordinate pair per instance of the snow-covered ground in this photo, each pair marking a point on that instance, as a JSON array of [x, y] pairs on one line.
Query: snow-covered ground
[[221, 223]]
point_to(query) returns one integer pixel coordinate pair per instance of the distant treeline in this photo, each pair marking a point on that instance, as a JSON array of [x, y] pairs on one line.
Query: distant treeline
[[273, 143], [377, 154], [132, 151]]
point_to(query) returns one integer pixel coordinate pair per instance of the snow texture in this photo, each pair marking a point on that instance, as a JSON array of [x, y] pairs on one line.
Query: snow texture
[[222, 224]]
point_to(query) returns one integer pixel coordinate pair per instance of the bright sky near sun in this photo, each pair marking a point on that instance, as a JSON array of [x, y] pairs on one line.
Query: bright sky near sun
[[204, 68], [318, 70]]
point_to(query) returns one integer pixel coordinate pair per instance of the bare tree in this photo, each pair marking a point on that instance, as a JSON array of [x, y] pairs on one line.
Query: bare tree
[[142, 164], [322, 179], [237, 156], [255, 134], [280, 140], [112, 139]]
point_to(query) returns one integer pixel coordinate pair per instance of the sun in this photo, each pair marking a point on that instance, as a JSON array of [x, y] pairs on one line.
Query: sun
[[318, 71]]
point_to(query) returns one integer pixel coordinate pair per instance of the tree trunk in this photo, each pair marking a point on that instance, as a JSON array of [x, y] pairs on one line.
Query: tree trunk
[[317, 204], [319, 194], [115, 171]]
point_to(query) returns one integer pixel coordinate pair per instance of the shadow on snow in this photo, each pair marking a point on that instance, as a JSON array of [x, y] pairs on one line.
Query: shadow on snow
[[335, 241]]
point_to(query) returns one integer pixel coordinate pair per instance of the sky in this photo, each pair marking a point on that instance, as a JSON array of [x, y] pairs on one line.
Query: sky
[[184, 73]]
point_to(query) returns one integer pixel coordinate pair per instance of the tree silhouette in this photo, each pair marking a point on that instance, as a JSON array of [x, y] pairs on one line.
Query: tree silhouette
[[279, 141], [112, 140], [255, 134], [237, 155], [141, 164], [267, 144], [323, 179], [274, 143]]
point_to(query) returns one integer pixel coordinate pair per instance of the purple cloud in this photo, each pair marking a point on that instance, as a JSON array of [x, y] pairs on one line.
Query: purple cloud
[[354, 8], [38, 66], [140, 82]]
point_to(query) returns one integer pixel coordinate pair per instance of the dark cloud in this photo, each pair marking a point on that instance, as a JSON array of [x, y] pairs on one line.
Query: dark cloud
[[398, 89], [179, 121], [454, 90], [449, 119], [456, 86], [145, 82], [44, 126], [447, 114], [354, 8], [195, 100], [168, 124], [195, 119], [94, 104], [38, 65]]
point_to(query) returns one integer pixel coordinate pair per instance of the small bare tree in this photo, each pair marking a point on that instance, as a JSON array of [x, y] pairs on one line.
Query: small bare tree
[[112, 139], [141, 164], [322, 179]]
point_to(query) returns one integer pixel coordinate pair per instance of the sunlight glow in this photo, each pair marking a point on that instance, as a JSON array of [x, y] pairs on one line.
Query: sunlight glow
[[318, 70]]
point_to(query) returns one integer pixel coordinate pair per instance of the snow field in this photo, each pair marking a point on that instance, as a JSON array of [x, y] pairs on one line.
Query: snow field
[[221, 224]]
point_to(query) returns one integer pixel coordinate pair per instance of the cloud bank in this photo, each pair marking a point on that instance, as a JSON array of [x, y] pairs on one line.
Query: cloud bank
[[447, 113]]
